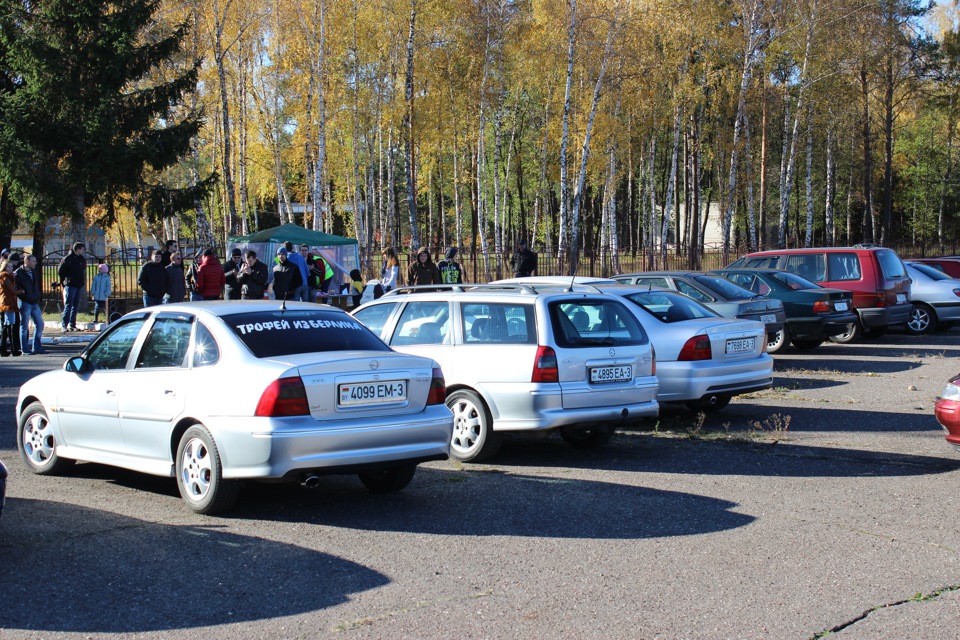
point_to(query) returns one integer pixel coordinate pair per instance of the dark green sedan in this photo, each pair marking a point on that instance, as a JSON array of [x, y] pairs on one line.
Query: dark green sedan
[[814, 313]]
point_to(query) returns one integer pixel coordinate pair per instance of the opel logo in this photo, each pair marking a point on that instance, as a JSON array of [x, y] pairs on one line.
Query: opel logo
[[613, 352], [374, 364]]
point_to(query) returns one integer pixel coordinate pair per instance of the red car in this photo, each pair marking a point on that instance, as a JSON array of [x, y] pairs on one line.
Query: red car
[[950, 265], [947, 410]]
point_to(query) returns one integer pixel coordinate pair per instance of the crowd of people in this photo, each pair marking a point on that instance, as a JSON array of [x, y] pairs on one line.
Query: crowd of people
[[296, 275]]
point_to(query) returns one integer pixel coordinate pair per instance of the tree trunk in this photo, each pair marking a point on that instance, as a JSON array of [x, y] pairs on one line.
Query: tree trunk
[[831, 187], [564, 224], [218, 54], [867, 160], [408, 129], [808, 238]]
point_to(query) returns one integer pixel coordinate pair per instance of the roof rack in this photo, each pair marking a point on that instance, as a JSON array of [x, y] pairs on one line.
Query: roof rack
[[527, 288]]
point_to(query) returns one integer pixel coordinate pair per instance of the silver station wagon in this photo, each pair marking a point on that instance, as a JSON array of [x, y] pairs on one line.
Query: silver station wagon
[[213, 393], [518, 359]]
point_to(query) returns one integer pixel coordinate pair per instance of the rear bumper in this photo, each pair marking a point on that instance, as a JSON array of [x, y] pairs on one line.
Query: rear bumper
[[877, 317], [685, 381], [282, 447], [772, 327], [821, 327]]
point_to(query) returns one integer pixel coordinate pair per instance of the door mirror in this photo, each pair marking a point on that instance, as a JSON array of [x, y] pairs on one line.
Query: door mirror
[[78, 365]]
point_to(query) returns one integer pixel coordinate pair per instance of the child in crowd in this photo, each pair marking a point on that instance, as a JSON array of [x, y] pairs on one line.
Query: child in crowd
[[100, 291]]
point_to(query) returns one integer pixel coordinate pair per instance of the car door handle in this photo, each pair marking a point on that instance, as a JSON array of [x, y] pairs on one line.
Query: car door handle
[[111, 392], [169, 392]]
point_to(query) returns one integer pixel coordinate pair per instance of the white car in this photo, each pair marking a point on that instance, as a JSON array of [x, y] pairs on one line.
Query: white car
[[515, 359], [213, 393]]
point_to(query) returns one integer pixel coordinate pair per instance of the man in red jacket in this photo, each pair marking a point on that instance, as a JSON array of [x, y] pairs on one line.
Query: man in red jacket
[[210, 277]]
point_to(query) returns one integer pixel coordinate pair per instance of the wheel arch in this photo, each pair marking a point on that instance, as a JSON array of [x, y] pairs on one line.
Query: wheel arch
[[491, 407], [178, 430]]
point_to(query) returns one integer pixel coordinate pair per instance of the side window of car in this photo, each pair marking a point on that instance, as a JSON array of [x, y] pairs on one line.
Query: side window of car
[[745, 280], [113, 351], [166, 345], [423, 323], [375, 316], [809, 266], [501, 323], [205, 349], [761, 262], [693, 292], [844, 266], [653, 282]]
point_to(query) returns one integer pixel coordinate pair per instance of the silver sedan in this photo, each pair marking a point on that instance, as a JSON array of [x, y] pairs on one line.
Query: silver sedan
[[214, 393], [935, 297]]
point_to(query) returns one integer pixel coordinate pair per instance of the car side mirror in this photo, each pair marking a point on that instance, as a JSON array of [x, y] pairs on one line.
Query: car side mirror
[[78, 365]]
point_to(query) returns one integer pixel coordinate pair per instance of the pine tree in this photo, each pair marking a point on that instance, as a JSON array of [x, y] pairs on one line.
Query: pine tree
[[82, 116]]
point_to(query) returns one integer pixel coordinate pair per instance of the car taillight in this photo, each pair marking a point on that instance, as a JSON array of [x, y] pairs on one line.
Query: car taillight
[[653, 354], [545, 366], [882, 299], [956, 292], [438, 388], [696, 348], [821, 306], [284, 397]]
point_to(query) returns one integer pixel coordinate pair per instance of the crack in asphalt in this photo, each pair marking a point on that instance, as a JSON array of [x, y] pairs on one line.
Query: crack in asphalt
[[920, 597]]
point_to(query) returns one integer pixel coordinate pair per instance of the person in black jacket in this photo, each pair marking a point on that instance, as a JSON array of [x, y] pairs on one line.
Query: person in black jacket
[[153, 280], [231, 268], [286, 277], [27, 278], [73, 277], [176, 284], [252, 277]]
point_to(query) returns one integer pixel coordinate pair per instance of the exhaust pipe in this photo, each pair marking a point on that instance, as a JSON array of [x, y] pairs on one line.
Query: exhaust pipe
[[311, 482]]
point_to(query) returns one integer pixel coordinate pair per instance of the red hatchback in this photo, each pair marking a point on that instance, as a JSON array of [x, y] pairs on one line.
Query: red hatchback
[[950, 265], [947, 410]]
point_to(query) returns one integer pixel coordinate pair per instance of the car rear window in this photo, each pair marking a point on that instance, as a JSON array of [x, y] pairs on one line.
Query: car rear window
[[593, 322], [930, 271], [284, 332], [793, 281], [670, 307], [890, 265], [725, 288]]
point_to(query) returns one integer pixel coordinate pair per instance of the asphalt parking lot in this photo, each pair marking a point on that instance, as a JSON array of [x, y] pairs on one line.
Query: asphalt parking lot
[[827, 504]]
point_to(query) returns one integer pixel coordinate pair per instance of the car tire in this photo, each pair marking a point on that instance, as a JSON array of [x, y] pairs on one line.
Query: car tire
[[587, 437], [200, 474], [852, 335], [807, 344], [779, 341], [922, 319], [710, 405], [37, 444], [473, 437], [388, 480]]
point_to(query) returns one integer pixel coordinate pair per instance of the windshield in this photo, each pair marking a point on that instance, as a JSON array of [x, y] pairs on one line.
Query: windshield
[[669, 307], [793, 281], [725, 288], [280, 333], [929, 271]]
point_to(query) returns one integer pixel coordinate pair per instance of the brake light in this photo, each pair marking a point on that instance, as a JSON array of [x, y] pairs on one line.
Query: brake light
[[438, 388], [653, 355], [696, 348], [956, 292], [882, 299], [284, 397], [821, 306], [545, 366]]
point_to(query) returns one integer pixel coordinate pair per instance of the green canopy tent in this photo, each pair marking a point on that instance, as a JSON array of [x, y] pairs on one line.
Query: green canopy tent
[[342, 254]]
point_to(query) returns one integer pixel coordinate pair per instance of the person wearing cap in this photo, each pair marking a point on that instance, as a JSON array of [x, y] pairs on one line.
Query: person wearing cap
[[524, 261], [449, 268], [286, 277], [100, 290], [230, 270], [27, 279]]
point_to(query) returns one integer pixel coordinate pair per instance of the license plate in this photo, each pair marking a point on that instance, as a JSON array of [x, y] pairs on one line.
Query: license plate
[[768, 318], [367, 393], [901, 298], [741, 345], [611, 374], [840, 306]]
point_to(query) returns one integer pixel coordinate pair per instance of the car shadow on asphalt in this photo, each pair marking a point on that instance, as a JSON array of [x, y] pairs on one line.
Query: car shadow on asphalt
[[841, 366], [66, 568], [677, 454], [483, 501]]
